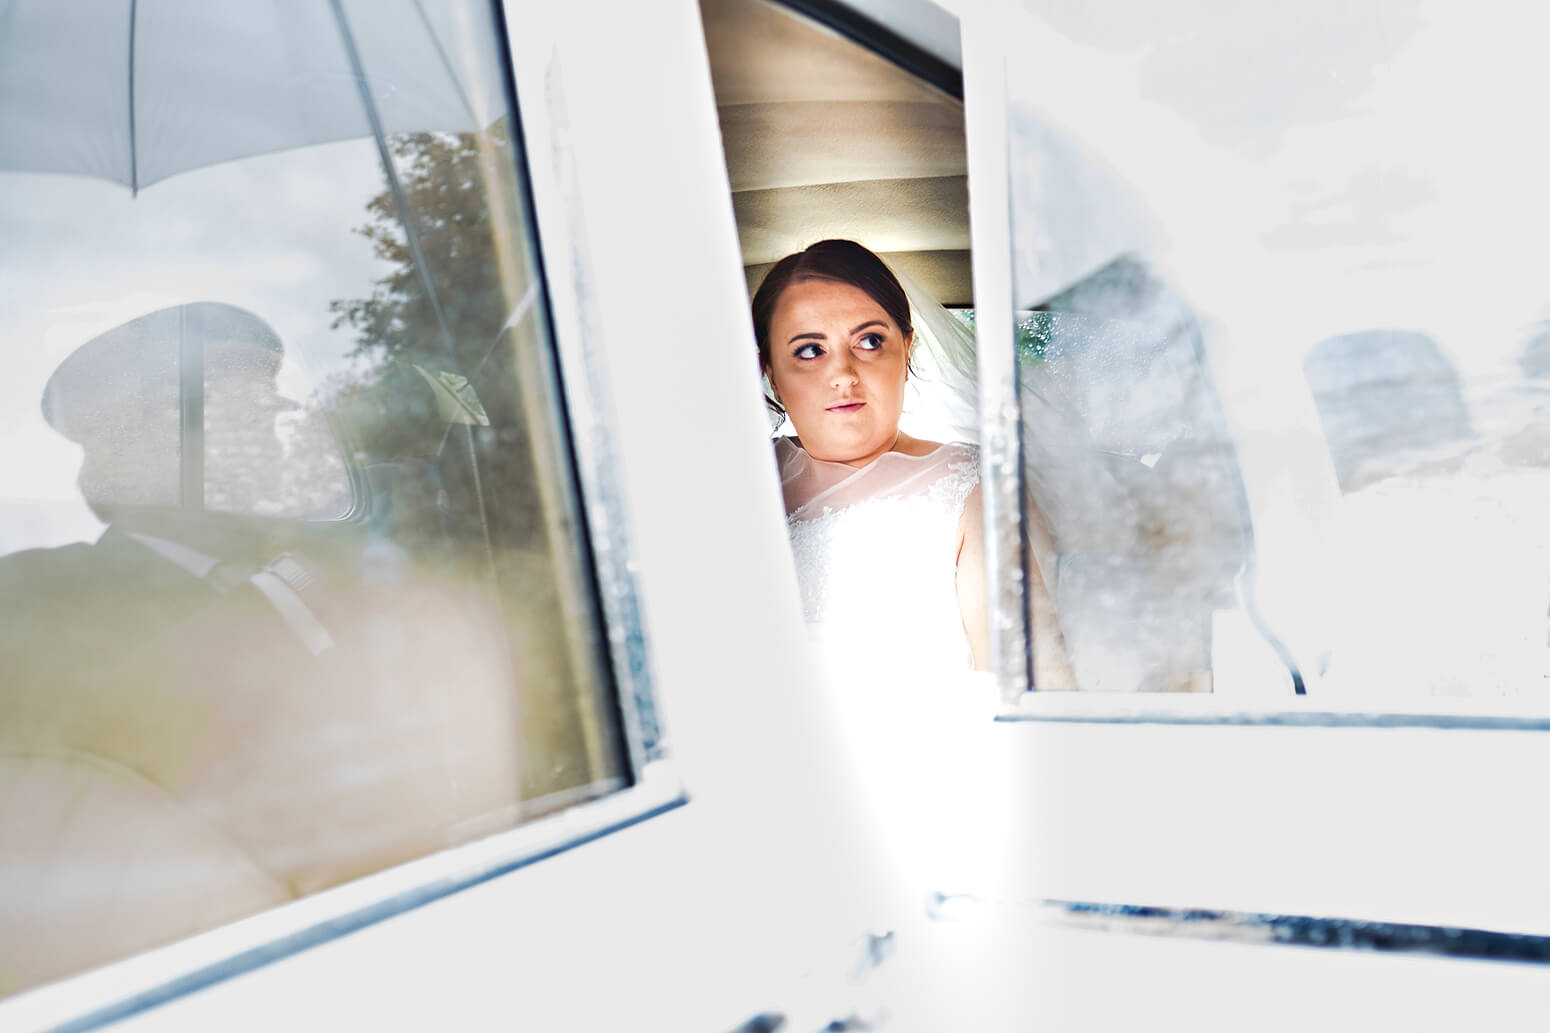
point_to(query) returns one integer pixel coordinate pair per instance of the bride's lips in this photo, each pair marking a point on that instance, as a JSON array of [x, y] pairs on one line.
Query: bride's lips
[[846, 407]]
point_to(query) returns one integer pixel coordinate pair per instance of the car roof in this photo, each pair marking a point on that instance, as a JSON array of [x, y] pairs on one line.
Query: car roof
[[824, 138]]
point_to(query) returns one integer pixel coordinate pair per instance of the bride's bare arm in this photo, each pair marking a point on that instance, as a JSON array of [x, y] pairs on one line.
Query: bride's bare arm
[[972, 600], [1052, 670], [1051, 666]]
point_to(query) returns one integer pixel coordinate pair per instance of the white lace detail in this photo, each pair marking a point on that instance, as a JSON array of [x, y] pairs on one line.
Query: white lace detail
[[963, 473], [879, 575]]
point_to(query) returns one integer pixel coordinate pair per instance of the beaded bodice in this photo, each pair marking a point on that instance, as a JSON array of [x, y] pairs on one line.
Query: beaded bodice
[[876, 553]]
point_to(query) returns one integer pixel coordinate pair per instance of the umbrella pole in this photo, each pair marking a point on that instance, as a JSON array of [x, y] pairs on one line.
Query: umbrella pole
[[191, 415], [134, 153], [395, 185]]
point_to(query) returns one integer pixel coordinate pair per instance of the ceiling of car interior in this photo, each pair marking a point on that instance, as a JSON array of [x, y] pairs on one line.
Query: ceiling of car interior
[[824, 138]]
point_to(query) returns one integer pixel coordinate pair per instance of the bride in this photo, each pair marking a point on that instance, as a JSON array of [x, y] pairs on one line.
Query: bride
[[885, 527]]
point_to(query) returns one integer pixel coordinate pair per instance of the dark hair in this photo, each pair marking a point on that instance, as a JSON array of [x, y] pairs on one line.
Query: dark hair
[[843, 261]]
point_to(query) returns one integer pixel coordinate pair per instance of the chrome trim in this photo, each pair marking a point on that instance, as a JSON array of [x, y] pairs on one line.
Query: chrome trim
[[144, 981], [560, 230], [1300, 931], [1287, 712], [1001, 463]]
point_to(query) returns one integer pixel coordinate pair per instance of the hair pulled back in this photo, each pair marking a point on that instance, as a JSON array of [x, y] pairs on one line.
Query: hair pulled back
[[842, 261]]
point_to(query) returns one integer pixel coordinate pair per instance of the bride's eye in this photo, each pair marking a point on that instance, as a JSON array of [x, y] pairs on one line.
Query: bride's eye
[[808, 351], [872, 342]]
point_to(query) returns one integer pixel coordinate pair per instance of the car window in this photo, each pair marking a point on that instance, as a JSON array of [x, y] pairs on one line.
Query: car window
[[1281, 366], [293, 581]]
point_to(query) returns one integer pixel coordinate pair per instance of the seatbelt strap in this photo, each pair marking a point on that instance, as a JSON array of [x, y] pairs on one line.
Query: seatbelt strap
[[282, 582]]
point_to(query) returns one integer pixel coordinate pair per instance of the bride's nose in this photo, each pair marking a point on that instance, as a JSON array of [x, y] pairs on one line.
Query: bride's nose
[[842, 372]]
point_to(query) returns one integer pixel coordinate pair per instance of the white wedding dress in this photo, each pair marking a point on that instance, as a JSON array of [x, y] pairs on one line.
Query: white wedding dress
[[876, 556]]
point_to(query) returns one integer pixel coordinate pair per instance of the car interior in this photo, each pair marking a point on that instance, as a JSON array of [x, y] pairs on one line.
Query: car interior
[[1127, 447], [826, 138]]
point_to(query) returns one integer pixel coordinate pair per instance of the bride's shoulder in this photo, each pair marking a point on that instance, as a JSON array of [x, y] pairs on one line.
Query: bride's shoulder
[[958, 455], [962, 449], [953, 474], [959, 482], [946, 461], [924, 448], [919, 448]]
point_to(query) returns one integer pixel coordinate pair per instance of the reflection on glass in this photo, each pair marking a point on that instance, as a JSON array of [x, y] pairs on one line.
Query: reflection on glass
[[1129, 458], [1324, 467], [290, 583], [1387, 400], [1444, 472]]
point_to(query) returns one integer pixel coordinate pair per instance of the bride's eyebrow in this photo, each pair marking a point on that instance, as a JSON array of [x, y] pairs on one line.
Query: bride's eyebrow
[[816, 336]]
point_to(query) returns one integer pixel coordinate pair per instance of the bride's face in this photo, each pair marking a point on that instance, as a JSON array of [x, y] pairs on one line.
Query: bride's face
[[838, 365]]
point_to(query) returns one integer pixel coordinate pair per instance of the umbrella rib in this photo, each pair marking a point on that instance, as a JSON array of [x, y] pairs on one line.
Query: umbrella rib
[[134, 157], [412, 238], [446, 64], [406, 216]]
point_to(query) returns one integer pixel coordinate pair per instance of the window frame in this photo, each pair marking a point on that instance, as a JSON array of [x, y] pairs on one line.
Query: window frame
[[988, 86], [572, 368]]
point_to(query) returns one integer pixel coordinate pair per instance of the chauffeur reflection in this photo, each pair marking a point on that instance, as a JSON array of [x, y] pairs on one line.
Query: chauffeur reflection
[[122, 397], [266, 725]]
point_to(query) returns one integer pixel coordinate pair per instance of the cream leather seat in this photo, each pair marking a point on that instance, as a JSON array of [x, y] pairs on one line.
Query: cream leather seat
[[84, 843]]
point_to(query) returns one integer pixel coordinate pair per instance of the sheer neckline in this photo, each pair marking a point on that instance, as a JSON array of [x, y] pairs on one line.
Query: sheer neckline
[[790, 442], [814, 486], [876, 553]]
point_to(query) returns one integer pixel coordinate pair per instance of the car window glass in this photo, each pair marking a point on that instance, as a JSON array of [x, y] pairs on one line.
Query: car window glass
[[292, 582], [1282, 367]]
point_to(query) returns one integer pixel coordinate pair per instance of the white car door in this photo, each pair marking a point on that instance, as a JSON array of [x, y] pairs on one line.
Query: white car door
[[712, 868], [1369, 339]]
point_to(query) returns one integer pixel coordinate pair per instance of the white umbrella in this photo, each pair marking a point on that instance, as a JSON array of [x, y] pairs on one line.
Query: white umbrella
[[134, 91], [137, 90]]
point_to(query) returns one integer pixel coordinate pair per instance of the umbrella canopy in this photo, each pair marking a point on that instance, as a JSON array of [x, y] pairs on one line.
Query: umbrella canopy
[[135, 91]]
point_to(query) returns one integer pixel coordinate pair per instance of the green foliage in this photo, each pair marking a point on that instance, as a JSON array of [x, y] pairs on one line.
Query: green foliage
[[388, 408], [446, 192], [1033, 337], [1033, 330]]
